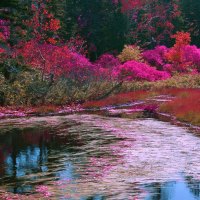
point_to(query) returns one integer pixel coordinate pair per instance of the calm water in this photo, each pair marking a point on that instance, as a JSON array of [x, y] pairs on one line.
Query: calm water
[[91, 157]]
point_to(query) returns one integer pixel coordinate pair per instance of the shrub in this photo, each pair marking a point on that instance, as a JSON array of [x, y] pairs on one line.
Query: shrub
[[26, 89], [107, 61], [105, 67], [191, 55], [181, 39], [131, 52], [156, 57], [79, 69], [175, 55], [56, 60], [177, 81], [133, 70]]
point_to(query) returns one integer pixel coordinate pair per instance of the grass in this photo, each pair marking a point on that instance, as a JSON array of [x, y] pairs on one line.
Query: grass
[[185, 107], [117, 99], [177, 81]]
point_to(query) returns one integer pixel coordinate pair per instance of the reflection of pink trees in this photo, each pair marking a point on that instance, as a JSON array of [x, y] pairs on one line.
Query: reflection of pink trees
[[44, 190], [104, 163]]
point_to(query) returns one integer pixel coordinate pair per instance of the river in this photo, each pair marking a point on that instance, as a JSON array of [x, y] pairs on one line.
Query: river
[[94, 157]]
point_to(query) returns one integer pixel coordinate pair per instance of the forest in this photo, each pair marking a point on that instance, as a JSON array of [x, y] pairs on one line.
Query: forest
[[60, 54]]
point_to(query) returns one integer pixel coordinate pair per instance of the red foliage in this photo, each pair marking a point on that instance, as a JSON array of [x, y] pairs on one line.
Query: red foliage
[[2, 37], [151, 19], [176, 54], [43, 23], [2, 50], [131, 4], [56, 60], [77, 44], [186, 105], [117, 99], [182, 38]]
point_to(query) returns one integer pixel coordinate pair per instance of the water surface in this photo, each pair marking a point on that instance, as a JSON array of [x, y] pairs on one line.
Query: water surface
[[96, 157]]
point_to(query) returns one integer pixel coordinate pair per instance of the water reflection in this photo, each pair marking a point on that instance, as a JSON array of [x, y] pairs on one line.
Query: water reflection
[[31, 156], [170, 191], [94, 157]]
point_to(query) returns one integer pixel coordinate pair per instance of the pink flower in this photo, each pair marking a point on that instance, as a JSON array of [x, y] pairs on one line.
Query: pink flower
[[133, 70], [156, 57]]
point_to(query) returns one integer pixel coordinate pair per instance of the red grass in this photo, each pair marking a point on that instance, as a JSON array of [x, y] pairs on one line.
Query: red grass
[[186, 105], [117, 99]]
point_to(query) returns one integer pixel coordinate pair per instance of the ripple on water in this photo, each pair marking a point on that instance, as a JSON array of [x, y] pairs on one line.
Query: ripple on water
[[96, 156]]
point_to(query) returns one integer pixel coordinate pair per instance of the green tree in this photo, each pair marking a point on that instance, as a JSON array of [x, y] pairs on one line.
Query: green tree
[[190, 10], [100, 23]]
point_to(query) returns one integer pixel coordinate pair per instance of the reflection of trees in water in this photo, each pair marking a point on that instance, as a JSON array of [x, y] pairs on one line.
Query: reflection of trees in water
[[97, 197], [193, 185], [34, 156], [25, 155], [160, 191]]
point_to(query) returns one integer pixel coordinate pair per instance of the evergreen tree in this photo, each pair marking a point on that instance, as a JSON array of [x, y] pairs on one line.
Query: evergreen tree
[[100, 23], [191, 13]]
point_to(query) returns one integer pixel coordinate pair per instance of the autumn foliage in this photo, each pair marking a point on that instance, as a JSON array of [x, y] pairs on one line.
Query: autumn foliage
[[60, 60], [186, 105], [44, 25], [175, 54]]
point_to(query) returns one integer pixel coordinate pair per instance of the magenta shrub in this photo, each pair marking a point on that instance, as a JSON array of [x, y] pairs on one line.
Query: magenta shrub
[[188, 59], [156, 57], [62, 62], [168, 68], [191, 55], [133, 70], [79, 68], [105, 67], [107, 61]]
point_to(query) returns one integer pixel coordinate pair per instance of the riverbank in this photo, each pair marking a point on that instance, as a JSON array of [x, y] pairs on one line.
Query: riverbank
[[179, 106], [45, 110]]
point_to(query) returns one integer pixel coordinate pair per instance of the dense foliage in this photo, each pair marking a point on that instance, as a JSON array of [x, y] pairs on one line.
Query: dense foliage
[[60, 51]]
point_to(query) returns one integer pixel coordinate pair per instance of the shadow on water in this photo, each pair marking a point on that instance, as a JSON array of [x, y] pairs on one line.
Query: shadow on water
[[92, 157]]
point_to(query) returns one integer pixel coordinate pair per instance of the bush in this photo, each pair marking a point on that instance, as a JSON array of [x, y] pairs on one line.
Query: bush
[[133, 70], [57, 61], [179, 81], [105, 68], [191, 55], [131, 52], [175, 55], [26, 89], [107, 61], [156, 57]]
